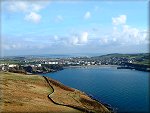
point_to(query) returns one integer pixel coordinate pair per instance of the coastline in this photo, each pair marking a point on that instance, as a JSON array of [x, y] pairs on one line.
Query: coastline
[[90, 66], [107, 66], [74, 69], [108, 106], [54, 95], [72, 89]]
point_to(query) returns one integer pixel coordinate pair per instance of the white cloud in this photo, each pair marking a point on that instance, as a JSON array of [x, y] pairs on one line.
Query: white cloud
[[87, 15], [56, 37], [80, 39], [133, 32], [119, 20], [114, 39], [36, 7], [33, 17], [75, 40], [104, 40], [29, 8], [18, 6], [129, 35], [25, 6], [11, 46], [84, 37], [124, 34]]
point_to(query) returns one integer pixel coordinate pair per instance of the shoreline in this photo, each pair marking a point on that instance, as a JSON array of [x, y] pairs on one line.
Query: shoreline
[[118, 67], [108, 106], [63, 97], [90, 66]]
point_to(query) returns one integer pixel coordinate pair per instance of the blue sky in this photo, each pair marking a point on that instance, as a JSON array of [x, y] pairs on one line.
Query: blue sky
[[66, 27]]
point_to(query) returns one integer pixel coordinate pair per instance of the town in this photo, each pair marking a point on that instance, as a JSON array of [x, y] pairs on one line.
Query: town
[[35, 64]]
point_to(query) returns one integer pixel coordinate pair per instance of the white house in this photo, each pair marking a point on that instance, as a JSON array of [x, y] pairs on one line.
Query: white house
[[12, 65]]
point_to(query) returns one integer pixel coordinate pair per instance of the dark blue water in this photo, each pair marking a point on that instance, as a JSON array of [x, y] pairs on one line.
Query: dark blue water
[[126, 90]]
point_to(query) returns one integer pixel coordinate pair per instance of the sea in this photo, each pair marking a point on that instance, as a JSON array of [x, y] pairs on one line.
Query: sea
[[57, 55], [124, 89]]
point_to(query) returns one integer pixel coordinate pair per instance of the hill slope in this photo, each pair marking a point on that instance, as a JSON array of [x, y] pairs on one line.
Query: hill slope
[[34, 93]]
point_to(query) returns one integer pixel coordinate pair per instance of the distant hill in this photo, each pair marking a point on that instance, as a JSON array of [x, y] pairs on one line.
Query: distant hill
[[139, 58]]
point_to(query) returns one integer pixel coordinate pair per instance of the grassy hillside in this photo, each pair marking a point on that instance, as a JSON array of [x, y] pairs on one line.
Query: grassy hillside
[[34, 93], [140, 58]]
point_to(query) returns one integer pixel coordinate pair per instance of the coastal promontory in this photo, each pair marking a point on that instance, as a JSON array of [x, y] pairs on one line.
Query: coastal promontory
[[35, 93]]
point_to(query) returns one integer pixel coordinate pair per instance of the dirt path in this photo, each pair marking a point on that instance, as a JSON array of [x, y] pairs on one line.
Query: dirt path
[[78, 108], [35, 93]]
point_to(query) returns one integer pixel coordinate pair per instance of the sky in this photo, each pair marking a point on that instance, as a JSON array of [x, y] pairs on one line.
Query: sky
[[69, 27]]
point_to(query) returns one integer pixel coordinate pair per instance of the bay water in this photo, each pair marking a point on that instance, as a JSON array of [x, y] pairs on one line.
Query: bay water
[[124, 89]]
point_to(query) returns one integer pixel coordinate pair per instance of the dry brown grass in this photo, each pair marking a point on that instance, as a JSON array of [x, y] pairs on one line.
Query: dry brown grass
[[27, 93], [74, 98], [60, 85]]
